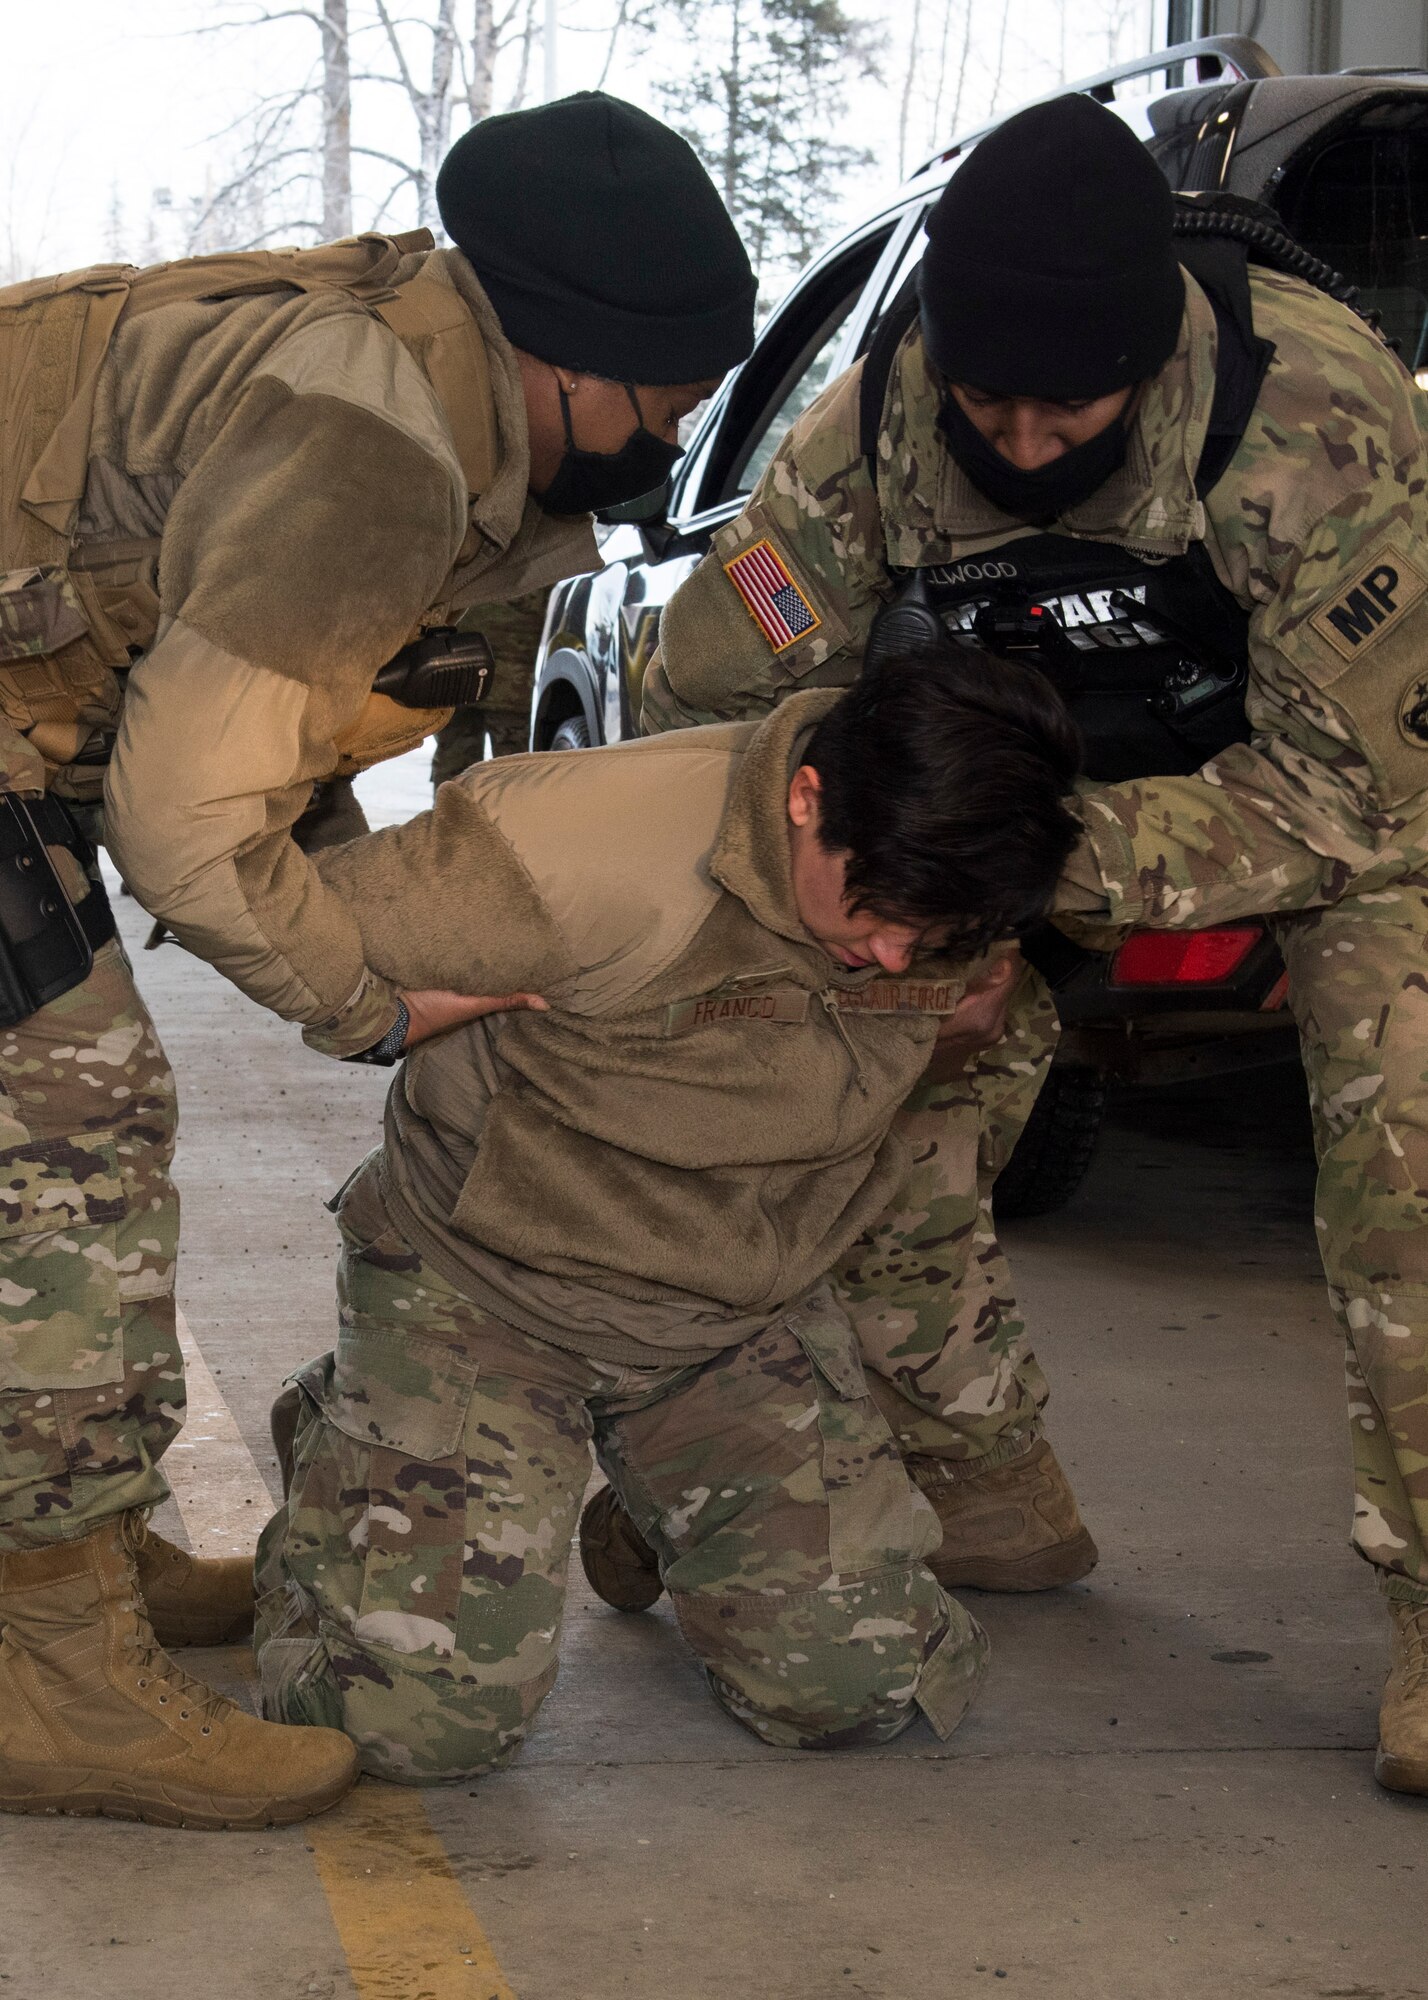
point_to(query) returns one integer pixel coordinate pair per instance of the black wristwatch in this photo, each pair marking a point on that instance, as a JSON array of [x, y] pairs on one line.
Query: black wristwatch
[[383, 1054]]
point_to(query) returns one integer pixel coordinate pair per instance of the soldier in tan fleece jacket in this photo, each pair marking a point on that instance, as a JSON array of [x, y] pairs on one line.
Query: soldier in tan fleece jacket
[[231, 491], [611, 1220]]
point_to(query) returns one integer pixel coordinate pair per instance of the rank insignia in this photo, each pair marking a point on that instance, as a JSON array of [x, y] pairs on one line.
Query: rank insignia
[[773, 600]]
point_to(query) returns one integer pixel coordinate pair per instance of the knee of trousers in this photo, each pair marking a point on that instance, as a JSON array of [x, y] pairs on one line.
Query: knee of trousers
[[426, 1723], [853, 1663], [367, 1620]]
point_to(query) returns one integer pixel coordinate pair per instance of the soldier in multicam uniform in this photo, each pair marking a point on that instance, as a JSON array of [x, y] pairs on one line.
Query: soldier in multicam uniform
[[1029, 420], [231, 491], [611, 1220]]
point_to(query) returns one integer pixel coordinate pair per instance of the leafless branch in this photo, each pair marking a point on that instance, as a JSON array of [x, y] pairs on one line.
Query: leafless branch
[[390, 159]]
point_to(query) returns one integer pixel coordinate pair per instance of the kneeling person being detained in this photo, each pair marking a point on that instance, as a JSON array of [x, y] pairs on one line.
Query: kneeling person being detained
[[610, 1222]]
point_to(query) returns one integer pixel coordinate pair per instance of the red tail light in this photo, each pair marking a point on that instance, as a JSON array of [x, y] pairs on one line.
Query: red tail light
[[1184, 958]]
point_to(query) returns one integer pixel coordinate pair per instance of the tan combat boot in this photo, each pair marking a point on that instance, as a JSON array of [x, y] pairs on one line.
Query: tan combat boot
[[191, 1600], [622, 1567], [1402, 1762], [94, 1718], [1011, 1527]]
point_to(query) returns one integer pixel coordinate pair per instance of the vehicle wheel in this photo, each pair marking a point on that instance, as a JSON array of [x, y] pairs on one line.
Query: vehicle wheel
[[573, 734], [1050, 1159]]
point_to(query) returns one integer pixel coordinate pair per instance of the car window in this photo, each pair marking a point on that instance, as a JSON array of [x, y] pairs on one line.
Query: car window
[[1361, 203], [811, 373], [793, 360]]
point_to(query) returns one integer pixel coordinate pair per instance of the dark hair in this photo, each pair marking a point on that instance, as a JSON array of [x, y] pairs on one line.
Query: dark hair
[[943, 777]]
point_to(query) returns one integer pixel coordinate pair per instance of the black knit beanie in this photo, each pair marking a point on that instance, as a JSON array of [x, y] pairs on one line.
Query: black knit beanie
[[600, 241], [1050, 268]]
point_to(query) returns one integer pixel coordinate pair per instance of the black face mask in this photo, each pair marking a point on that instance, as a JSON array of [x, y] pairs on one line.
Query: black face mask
[[587, 481], [1032, 496]]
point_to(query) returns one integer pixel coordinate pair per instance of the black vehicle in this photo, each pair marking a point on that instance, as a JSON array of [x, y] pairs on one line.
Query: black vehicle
[[1343, 161]]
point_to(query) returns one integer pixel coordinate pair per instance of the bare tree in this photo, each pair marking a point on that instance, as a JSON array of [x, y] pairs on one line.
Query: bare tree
[[114, 235], [936, 127], [291, 171], [275, 154], [336, 121], [22, 256], [523, 74], [1001, 56], [430, 104], [481, 73], [965, 57], [905, 102], [494, 30]]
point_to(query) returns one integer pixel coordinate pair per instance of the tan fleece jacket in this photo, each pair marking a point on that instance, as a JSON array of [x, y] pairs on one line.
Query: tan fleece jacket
[[298, 473], [700, 1126]]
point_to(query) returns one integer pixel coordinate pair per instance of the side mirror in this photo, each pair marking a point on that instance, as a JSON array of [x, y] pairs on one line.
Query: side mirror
[[658, 538]]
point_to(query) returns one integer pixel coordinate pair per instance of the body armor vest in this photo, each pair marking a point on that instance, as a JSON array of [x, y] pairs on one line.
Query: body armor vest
[[73, 619], [1151, 657]]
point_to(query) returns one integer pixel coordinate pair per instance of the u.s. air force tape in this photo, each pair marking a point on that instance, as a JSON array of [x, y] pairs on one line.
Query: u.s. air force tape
[[898, 996], [790, 1004]]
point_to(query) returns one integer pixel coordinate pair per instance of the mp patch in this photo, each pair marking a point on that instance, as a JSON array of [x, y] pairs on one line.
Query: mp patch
[[771, 597], [1374, 601]]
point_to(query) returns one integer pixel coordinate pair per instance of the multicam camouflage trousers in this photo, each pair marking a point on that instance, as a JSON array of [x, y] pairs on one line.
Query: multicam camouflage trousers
[[928, 1289], [411, 1589], [930, 1293], [1358, 985], [91, 1375]]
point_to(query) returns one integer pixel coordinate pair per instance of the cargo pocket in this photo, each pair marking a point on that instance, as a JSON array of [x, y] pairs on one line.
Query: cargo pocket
[[59, 653], [398, 1405], [40, 611], [951, 1676], [61, 1204], [876, 1517]]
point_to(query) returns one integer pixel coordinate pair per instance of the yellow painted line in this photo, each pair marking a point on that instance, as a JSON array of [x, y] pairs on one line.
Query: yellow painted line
[[407, 1930], [405, 1924]]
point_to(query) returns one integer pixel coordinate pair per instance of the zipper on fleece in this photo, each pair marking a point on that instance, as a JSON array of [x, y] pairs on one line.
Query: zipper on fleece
[[831, 1009]]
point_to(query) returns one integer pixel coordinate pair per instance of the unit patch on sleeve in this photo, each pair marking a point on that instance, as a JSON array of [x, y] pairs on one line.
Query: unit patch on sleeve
[[1371, 604], [771, 597]]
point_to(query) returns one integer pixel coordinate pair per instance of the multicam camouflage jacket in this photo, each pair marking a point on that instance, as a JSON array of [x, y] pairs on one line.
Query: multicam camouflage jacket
[[1319, 530]]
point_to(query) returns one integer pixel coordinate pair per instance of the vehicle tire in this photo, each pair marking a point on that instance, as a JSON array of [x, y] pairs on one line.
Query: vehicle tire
[[573, 734], [1051, 1158]]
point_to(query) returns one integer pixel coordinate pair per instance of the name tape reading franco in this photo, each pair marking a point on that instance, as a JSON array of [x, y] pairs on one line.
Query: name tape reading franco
[[790, 1004], [1371, 604], [771, 597]]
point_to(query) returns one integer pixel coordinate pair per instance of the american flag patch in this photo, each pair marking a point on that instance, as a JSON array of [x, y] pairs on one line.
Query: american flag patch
[[775, 602]]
